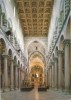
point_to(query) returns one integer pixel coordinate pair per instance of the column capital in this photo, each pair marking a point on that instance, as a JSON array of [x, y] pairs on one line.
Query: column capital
[[49, 66], [55, 58], [10, 57], [16, 65], [12, 60], [52, 62], [66, 42], [48, 69], [19, 68], [4, 55], [60, 52]]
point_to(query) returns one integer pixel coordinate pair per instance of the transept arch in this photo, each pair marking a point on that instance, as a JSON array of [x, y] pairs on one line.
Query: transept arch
[[33, 40]]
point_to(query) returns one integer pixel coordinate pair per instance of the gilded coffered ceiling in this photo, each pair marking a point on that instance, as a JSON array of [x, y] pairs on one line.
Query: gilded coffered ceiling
[[35, 16]]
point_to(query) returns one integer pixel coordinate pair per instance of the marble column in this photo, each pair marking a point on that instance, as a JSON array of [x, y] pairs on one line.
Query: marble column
[[48, 76], [5, 73], [12, 75], [56, 72], [67, 64], [53, 75], [16, 77], [19, 78], [60, 53], [0, 70]]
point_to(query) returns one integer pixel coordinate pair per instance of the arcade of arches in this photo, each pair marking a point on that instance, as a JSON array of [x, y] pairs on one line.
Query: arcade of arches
[[35, 44]]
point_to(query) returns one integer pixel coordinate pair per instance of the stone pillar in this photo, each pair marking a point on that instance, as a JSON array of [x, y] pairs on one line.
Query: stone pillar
[[67, 64], [0, 70], [48, 75], [12, 75], [19, 78], [60, 53], [46, 78], [56, 72], [16, 77], [5, 73], [53, 75]]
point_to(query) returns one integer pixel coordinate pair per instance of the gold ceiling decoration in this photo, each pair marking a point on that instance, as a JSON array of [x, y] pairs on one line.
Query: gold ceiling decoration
[[35, 16]]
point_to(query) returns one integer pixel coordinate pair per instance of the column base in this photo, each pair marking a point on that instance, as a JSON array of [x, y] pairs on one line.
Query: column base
[[6, 90], [1, 90], [56, 89], [12, 89], [16, 88], [66, 90], [60, 90]]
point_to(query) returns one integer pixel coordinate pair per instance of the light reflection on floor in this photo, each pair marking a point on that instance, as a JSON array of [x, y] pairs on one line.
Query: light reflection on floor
[[35, 95]]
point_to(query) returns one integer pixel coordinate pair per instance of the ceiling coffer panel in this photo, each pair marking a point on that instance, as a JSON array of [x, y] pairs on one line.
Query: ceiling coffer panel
[[35, 16]]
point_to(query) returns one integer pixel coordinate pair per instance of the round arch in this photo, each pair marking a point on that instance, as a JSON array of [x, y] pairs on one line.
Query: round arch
[[39, 55], [39, 41], [37, 52], [3, 46]]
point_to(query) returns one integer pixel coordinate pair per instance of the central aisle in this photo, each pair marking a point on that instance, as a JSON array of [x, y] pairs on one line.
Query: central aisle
[[35, 95]]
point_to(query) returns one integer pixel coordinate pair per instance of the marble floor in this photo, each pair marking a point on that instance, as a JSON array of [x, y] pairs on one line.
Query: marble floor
[[35, 95]]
